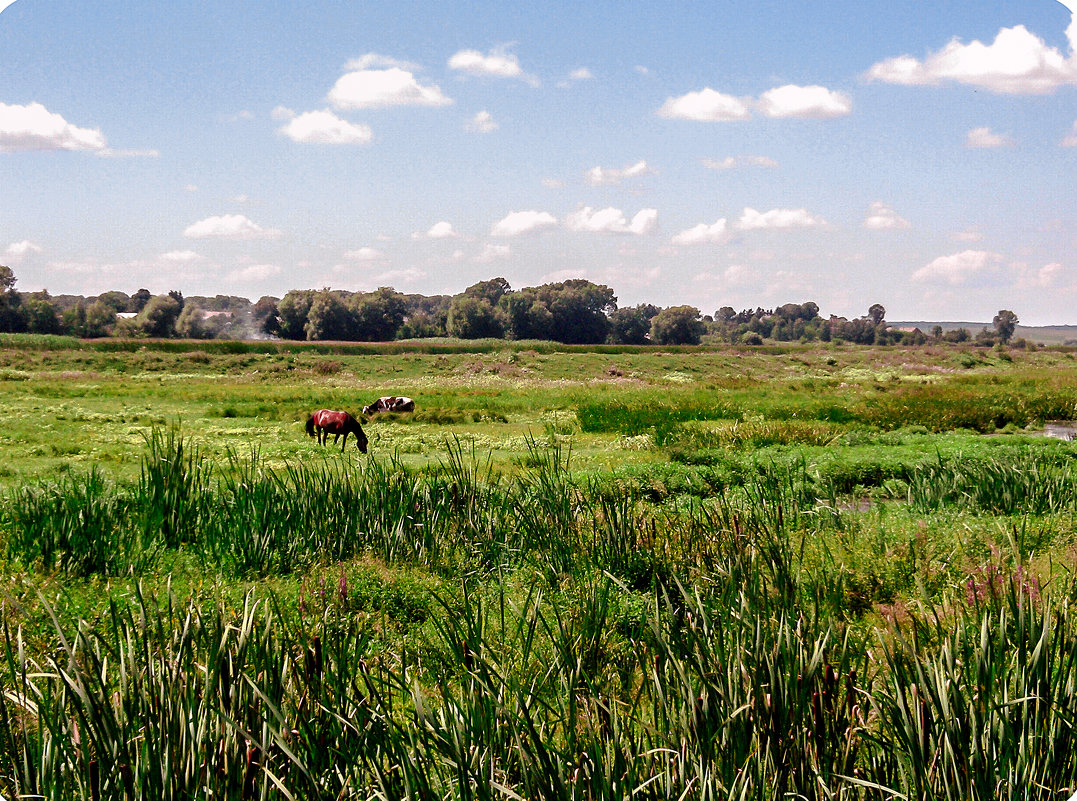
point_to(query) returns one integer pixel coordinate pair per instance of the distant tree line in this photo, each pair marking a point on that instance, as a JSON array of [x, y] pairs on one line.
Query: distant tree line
[[576, 311]]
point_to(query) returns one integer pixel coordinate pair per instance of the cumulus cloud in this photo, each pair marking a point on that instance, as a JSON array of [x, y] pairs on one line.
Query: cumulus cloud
[[1071, 138], [404, 275], [714, 233], [365, 254], [254, 272], [611, 221], [706, 105], [17, 251], [34, 127], [1016, 62], [326, 128], [735, 162], [377, 61], [600, 176], [491, 252], [522, 222], [229, 226], [813, 102], [483, 122], [181, 256], [495, 64], [958, 268], [751, 220], [439, 230], [986, 138], [381, 88], [882, 217]]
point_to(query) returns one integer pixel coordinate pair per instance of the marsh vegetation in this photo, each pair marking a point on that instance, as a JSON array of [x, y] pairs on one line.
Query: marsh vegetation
[[570, 573]]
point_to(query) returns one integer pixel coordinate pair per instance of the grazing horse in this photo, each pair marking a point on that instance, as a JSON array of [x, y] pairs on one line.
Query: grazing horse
[[325, 422], [392, 403]]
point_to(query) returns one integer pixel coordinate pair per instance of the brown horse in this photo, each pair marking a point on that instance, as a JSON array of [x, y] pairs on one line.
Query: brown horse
[[325, 422]]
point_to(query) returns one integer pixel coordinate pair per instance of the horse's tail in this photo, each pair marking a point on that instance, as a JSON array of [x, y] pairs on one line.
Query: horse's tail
[[310, 425]]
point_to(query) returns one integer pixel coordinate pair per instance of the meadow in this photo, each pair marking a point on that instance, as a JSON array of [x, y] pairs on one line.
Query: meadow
[[807, 571]]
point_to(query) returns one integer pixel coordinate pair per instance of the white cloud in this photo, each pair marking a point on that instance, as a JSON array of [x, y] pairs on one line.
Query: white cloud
[[599, 176], [642, 70], [365, 254], [1071, 138], [495, 64], [17, 251], [581, 74], [969, 235], [229, 226], [406, 275], [375, 60], [326, 128], [181, 256], [814, 102], [958, 268], [705, 105], [130, 153], [282, 113], [34, 127], [733, 162], [491, 253], [1017, 62], [483, 122], [522, 222], [611, 221], [367, 88], [703, 233], [751, 220], [191, 187], [439, 230], [553, 183], [985, 138], [882, 217], [1049, 274], [254, 272]]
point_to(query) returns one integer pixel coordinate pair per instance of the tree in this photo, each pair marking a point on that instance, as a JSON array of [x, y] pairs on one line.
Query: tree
[[40, 314], [876, 313], [1005, 323], [378, 315], [574, 311], [292, 313], [117, 301], [677, 325], [328, 317], [472, 317], [158, 316], [11, 316], [264, 315], [190, 324], [492, 291], [139, 300], [632, 324], [100, 319]]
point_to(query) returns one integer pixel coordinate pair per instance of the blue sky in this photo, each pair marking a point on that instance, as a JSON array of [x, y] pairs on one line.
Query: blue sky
[[917, 155]]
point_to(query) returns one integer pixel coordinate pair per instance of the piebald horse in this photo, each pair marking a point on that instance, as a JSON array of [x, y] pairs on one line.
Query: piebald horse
[[391, 403], [326, 421]]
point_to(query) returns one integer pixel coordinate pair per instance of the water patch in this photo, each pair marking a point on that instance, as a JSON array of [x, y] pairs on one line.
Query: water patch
[[1061, 429]]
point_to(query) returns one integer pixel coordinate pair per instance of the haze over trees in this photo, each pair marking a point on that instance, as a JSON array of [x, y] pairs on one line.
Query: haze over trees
[[575, 311]]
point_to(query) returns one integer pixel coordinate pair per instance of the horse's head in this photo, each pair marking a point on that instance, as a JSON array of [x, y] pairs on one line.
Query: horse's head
[[366, 411], [310, 425], [360, 439]]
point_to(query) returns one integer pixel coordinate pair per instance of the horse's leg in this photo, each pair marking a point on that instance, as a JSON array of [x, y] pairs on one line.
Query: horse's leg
[[345, 442]]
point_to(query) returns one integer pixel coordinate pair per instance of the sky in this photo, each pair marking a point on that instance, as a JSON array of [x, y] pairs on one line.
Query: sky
[[721, 153]]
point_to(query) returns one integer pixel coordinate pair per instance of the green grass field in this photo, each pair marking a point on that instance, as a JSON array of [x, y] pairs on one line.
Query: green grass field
[[762, 573]]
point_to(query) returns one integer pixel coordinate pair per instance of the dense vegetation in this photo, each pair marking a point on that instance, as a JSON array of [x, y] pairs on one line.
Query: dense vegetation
[[571, 312], [658, 573]]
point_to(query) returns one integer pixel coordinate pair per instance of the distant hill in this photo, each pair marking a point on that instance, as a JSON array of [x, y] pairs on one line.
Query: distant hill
[[1047, 334]]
